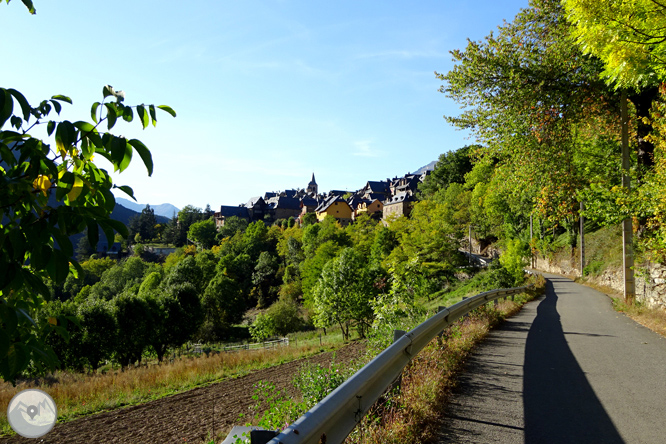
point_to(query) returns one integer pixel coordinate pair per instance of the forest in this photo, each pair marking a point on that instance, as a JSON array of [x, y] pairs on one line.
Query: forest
[[542, 98]]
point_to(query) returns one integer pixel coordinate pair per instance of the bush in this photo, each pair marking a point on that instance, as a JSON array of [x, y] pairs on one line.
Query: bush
[[514, 259], [315, 381], [280, 319]]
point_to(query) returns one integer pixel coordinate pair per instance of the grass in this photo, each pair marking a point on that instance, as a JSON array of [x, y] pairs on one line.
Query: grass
[[412, 415], [652, 318], [78, 394]]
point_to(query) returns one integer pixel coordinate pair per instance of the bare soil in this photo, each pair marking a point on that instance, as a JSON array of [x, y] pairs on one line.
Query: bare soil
[[185, 417]]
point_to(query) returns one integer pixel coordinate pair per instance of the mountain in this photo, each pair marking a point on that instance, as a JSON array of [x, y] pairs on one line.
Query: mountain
[[429, 167], [165, 209]]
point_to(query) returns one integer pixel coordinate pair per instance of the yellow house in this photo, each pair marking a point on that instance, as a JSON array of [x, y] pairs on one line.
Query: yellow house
[[374, 208], [335, 206]]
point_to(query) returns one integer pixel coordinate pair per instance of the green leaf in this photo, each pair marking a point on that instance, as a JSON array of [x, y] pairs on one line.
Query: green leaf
[[111, 114], [93, 233], [127, 158], [128, 114], [107, 91], [151, 108], [25, 106], [118, 147], [167, 109], [127, 190], [62, 98], [89, 131], [143, 115], [116, 225], [57, 106], [144, 152], [28, 4], [17, 358], [6, 106], [16, 122], [93, 111], [65, 135], [50, 127]]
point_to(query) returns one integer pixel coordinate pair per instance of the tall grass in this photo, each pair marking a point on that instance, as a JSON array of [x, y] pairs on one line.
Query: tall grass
[[78, 394]]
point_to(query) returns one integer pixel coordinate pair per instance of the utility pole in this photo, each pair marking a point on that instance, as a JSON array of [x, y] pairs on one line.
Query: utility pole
[[531, 244], [582, 238], [470, 244], [627, 229]]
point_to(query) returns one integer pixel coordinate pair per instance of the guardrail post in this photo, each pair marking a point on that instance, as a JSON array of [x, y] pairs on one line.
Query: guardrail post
[[397, 334], [466, 315]]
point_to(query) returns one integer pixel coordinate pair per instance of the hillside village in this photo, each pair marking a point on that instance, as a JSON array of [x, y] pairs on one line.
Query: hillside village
[[379, 199]]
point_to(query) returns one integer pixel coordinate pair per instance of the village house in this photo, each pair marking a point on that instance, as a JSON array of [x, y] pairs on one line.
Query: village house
[[337, 207], [398, 205], [373, 208], [227, 211]]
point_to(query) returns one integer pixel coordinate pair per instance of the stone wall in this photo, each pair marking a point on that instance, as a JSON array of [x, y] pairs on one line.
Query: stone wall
[[650, 279]]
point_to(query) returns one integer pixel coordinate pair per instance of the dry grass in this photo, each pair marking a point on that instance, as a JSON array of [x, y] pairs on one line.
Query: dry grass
[[412, 416], [78, 394]]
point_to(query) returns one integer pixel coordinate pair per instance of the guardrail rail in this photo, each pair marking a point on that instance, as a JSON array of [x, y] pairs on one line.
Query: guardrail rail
[[332, 420]]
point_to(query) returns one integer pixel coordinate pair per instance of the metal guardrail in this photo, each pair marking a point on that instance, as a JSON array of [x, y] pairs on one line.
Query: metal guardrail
[[335, 416]]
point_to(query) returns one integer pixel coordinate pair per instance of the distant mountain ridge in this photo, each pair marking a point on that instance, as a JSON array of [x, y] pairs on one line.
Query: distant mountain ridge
[[166, 209], [429, 167]]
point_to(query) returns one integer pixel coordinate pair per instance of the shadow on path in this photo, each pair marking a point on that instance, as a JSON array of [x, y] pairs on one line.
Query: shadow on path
[[560, 406]]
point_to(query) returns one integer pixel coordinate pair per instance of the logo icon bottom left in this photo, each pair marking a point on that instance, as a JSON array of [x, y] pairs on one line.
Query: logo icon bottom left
[[32, 413]]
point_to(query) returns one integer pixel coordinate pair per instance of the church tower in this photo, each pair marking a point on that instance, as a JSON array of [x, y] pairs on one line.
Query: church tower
[[312, 186]]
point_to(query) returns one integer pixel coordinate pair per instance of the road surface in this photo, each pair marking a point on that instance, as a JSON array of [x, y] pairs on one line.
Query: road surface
[[566, 369]]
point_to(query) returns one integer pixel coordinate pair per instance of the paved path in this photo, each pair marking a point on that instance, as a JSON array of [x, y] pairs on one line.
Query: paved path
[[566, 369]]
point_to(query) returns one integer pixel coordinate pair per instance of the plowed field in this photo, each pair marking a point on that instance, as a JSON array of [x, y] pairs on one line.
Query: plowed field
[[186, 417]]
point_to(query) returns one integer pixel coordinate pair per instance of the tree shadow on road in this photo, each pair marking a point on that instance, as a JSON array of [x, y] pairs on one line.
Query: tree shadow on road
[[560, 406]]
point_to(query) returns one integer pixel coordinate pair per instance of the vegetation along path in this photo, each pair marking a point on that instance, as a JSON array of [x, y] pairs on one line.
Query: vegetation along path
[[185, 417], [567, 368]]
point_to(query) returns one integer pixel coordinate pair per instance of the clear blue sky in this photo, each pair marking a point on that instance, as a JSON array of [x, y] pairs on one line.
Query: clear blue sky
[[267, 92]]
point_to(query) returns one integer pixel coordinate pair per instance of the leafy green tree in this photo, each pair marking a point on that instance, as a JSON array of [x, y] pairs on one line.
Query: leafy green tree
[[134, 319], [280, 319], [143, 224], [203, 233], [312, 267], [34, 232], [265, 279], [529, 96], [177, 315], [224, 305], [186, 271], [629, 38], [309, 219], [343, 293], [450, 168], [98, 330], [232, 225]]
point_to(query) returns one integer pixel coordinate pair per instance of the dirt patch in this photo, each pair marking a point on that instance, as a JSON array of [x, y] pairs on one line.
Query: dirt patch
[[185, 417]]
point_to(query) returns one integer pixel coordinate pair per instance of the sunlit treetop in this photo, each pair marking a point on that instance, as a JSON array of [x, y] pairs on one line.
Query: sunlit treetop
[[629, 36]]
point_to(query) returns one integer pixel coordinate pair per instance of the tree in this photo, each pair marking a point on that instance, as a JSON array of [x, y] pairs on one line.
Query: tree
[[143, 224], [34, 174], [450, 168], [530, 96], [232, 225], [343, 293], [203, 233], [629, 38], [134, 319], [223, 304]]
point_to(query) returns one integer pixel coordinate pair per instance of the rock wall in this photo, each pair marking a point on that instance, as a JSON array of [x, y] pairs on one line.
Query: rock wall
[[650, 279]]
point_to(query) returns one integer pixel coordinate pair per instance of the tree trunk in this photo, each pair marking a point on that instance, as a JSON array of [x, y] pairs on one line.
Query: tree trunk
[[644, 149]]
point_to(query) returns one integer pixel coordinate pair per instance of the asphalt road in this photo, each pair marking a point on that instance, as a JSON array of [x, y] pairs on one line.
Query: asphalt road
[[566, 369]]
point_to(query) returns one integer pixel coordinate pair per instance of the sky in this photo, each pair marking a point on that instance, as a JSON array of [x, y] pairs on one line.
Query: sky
[[266, 92]]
